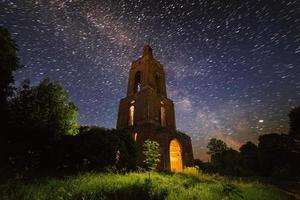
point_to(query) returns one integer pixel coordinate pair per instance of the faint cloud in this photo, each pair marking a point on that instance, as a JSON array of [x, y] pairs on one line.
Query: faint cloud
[[184, 105], [231, 141]]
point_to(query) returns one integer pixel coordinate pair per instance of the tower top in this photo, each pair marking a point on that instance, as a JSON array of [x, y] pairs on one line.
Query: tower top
[[147, 51]]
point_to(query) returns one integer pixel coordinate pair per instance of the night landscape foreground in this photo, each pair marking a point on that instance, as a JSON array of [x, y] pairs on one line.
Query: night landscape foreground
[[187, 185], [149, 100]]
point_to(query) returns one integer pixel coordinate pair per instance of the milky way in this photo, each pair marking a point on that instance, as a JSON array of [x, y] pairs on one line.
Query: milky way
[[233, 67]]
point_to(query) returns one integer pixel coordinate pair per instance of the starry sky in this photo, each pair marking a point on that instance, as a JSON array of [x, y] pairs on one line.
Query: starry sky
[[232, 67]]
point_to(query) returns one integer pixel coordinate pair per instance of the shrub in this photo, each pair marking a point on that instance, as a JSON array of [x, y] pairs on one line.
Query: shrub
[[191, 171]]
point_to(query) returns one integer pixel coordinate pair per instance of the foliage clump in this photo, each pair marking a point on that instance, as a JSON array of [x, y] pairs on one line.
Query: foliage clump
[[276, 155], [47, 108], [151, 153]]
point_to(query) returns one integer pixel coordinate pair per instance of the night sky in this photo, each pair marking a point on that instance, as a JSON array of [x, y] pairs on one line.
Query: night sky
[[232, 67]]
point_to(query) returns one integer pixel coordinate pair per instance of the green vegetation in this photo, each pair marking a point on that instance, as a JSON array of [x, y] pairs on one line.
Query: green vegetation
[[276, 156], [152, 155], [92, 149], [47, 108], [188, 185]]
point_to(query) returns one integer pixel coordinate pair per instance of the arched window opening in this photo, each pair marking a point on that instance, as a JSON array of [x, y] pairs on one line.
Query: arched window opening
[[137, 82], [131, 116], [158, 84], [175, 156], [163, 120], [135, 136]]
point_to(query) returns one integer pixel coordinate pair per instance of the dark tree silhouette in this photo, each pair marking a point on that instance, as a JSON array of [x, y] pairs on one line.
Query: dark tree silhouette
[[93, 148], [249, 156], [216, 146], [294, 116], [9, 62], [224, 160], [278, 155], [230, 162]]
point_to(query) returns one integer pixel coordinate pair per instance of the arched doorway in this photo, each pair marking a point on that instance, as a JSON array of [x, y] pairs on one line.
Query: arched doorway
[[175, 156]]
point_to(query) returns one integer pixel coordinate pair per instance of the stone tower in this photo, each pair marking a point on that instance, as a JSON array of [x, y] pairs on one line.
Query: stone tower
[[147, 113]]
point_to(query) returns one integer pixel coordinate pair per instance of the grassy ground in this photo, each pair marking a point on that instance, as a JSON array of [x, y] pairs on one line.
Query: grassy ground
[[189, 185]]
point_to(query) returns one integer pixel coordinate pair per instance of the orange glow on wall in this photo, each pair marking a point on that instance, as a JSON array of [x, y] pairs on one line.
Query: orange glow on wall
[[175, 156], [135, 136], [131, 116]]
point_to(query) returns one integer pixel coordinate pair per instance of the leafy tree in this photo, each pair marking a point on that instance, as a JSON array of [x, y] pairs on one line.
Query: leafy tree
[[216, 146], [39, 116], [224, 160], [9, 62], [55, 111], [152, 155], [47, 108], [294, 116]]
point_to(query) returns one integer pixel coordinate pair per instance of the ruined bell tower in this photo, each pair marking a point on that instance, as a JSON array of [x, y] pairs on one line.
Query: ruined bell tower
[[147, 113]]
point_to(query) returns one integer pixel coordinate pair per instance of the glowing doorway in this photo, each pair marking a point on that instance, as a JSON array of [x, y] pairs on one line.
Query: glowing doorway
[[175, 156]]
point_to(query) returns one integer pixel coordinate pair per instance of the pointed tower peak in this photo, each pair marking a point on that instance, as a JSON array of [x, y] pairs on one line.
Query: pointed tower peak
[[147, 51]]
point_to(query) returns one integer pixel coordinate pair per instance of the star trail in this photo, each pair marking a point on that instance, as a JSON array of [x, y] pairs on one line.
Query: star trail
[[232, 67]]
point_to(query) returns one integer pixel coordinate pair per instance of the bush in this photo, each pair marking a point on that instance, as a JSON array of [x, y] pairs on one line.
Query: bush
[[93, 149], [192, 171]]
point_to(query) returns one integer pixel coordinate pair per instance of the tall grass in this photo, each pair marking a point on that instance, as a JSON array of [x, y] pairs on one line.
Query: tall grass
[[188, 185]]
